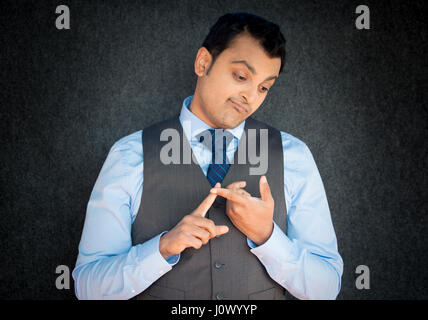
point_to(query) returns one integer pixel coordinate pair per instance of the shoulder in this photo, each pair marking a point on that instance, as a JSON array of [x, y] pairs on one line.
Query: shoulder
[[162, 124], [122, 171], [129, 148], [300, 169], [297, 155], [296, 152], [291, 142]]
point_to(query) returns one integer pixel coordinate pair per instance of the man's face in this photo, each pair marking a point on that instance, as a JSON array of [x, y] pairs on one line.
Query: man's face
[[242, 74]]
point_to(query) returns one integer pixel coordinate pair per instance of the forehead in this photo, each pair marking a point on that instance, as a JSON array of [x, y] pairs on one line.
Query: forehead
[[245, 47]]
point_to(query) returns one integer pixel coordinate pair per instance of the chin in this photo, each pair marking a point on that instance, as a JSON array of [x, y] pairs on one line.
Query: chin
[[229, 120], [232, 124]]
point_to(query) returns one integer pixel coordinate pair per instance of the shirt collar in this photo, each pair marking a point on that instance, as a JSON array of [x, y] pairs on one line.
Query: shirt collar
[[192, 125]]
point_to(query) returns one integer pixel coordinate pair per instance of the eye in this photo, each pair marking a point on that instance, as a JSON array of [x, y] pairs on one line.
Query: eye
[[239, 77], [264, 89]]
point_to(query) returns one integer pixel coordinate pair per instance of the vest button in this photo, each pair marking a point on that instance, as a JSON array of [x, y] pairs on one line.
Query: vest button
[[218, 265], [219, 296]]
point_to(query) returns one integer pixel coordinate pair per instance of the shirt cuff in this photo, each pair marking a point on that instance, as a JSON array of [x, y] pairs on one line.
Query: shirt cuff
[[277, 248], [151, 261]]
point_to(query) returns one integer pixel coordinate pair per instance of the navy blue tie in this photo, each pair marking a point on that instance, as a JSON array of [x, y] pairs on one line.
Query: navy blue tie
[[217, 171]]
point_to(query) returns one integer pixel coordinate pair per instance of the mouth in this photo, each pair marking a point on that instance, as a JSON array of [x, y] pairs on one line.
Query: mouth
[[240, 108]]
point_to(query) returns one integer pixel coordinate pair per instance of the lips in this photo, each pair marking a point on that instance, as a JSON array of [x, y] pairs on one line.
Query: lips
[[239, 107]]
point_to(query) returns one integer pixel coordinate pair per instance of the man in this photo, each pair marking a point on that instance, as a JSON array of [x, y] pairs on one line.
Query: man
[[210, 229]]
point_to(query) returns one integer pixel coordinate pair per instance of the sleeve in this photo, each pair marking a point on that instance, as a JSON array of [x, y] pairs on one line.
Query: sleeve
[[305, 261], [108, 266]]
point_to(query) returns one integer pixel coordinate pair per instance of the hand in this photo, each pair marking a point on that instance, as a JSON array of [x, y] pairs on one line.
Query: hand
[[193, 230], [251, 215]]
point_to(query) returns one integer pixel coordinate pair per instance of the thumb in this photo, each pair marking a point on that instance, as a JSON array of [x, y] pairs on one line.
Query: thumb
[[265, 189], [219, 230]]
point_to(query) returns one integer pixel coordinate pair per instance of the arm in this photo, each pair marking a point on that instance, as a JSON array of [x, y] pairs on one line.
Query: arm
[[108, 266], [305, 261]]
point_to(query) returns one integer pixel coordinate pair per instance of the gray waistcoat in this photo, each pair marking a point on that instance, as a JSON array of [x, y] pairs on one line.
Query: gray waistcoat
[[224, 268]]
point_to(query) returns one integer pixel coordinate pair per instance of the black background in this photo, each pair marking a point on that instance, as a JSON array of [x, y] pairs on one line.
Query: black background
[[357, 98]]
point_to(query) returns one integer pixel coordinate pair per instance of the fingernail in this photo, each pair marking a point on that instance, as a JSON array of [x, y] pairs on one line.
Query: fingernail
[[264, 179], [213, 191]]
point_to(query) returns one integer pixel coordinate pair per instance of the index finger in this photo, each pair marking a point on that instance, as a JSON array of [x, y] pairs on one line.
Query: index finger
[[230, 195], [205, 205]]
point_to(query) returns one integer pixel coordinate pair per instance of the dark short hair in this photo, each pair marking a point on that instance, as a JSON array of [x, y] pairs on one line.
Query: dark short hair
[[230, 25]]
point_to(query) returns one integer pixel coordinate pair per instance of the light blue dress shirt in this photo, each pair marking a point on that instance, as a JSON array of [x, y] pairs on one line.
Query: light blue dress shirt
[[305, 261]]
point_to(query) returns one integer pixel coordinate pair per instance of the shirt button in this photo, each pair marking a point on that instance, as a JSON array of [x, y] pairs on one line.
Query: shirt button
[[132, 291], [218, 265], [161, 272], [219, 296]]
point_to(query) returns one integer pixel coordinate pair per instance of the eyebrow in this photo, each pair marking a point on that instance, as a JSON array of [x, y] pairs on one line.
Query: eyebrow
[[252, 69]]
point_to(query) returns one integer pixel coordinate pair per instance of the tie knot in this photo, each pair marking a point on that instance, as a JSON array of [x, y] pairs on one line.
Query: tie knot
[[212, 138]]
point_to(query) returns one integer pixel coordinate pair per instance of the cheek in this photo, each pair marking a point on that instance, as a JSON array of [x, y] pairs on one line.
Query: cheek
[[221, 92], [224, 84], [220, 88]]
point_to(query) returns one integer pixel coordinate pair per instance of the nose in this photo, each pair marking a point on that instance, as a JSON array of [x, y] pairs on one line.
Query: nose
[[248, 96]]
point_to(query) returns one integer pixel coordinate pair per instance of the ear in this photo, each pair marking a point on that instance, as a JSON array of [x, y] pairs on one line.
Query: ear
[[202, 62]]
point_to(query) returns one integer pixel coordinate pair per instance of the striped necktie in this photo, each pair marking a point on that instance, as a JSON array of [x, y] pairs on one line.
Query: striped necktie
[[217, 169]]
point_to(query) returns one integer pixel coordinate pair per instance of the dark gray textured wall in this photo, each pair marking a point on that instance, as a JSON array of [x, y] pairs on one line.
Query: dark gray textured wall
[[356, 98]]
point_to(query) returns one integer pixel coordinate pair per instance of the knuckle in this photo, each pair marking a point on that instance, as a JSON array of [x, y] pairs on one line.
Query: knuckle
[[239, 213], [210, 223], [208, 236]]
